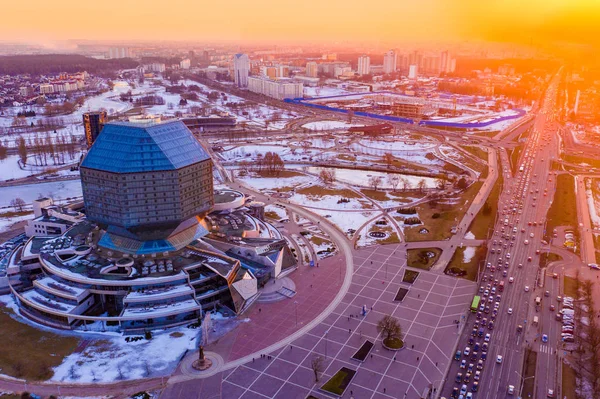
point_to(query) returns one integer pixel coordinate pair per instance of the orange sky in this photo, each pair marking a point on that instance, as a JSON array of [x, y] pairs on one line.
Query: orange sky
[[384, 21]]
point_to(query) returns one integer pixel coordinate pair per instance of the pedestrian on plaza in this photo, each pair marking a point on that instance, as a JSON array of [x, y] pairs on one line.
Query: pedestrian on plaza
[[350, 331], [412, 347], [417, 358]]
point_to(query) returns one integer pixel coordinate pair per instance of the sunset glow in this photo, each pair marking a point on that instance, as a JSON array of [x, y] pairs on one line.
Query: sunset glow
[[310, 20]]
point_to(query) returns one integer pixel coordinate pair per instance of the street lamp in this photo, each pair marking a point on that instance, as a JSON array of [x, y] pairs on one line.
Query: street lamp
[[522, 382]]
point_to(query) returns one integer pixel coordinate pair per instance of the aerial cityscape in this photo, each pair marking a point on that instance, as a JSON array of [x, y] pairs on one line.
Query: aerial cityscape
[[300, 200]]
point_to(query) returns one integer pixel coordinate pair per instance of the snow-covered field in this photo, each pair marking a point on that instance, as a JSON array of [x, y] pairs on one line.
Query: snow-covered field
[[593, 200], [361, 177], [274, 183], [102, 360], [328, 125], [323, 91], [56, 190], [345, 220], [280, 212], [5, 223]]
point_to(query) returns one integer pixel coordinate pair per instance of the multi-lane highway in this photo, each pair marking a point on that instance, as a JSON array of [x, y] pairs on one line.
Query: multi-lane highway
[[513, 257]]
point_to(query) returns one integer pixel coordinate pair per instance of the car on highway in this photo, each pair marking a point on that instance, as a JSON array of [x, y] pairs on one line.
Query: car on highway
[[475, 387], [510, 311], [467, 351], [470, 368], [519, 328], [487, 337], [594, 266], [526, 288], [477, 375], [457, 355], [559, 298], [511, 279], [463, 364], [510, 390], [544, 338], [499, 359], [458, 378], [552, 308], [550, 393]]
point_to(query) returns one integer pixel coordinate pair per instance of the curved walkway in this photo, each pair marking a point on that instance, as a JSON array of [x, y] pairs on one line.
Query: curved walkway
[[346, 249]]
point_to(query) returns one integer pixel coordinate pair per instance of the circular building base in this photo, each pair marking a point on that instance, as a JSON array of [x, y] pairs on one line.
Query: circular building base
[[202, 365]]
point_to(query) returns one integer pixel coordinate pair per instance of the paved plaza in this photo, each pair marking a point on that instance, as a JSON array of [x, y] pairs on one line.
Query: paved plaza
[[427, 315]]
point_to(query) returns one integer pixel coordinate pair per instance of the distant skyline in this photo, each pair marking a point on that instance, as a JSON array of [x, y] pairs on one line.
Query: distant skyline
[[386, 21]]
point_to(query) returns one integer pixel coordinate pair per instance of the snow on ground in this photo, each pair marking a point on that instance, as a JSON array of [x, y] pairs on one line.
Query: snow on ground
[[327, 202], [468, 254], [9, 169], [274, 183], [328, 125], [101, 360], [251, 151], [316, 142], [5, 223], [397, 145], [345, 220], [361, 177], [469, 236], [323, 91], [415, 155], [59, 190], [281, 213]]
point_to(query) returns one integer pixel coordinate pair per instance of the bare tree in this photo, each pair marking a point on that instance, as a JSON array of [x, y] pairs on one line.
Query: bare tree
[[22, 150], [388, 158], [406, 185], [375, 182], [327, 175], [440, 183], [422, 185], [390, 327], [18, 204], [318, 366], [393, 180]]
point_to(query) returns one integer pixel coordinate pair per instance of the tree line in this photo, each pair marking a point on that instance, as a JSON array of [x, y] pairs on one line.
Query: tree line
[[48, 64]]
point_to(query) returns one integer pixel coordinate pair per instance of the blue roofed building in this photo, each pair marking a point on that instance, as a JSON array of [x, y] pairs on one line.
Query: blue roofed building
[[148, 185]]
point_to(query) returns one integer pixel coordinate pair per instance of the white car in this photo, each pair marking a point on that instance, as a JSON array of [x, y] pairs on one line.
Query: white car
[[511, 279], [499, 359], [531, 235], [487, 337], [510, 311], [526, 288]]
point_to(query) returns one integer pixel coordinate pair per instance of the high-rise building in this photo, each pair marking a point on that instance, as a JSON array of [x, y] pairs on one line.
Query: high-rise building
[[390, 62], [93, 122], [241, 69], [312, 69], [412, 71], [278, 88], [118, 52], [185, 63], [364, 65], [149, 183]]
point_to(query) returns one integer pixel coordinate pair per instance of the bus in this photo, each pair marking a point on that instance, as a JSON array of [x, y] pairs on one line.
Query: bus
[[475, 304]]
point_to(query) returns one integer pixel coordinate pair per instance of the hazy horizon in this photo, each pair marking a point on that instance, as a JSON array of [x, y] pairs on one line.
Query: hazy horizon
[[538, 22]]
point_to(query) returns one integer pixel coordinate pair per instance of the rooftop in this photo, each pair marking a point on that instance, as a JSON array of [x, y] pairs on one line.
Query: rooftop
[[126, 147]]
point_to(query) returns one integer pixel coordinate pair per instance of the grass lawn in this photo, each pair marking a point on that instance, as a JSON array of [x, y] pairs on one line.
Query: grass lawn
[[439, 228], [477, 151], [410, 276], [346, 157], [563, 211], [480, 226], [568, 382], [318, 240], [392, 237], [470, 267], [339, 382], [321, 191], [581, 159], [570, 287], [414, 260], [546, 258], [32, 353]]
